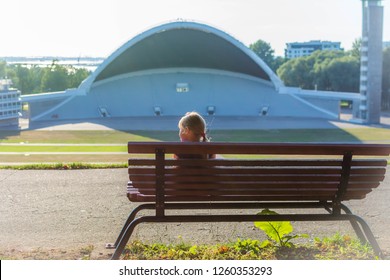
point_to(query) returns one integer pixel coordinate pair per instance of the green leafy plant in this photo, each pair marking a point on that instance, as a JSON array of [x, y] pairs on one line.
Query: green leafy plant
[[277, 231], [247, 245]]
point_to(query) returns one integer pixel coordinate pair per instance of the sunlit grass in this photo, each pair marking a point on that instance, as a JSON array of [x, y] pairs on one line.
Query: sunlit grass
[[273, 135], [337, 247], [88, 141], [64, 149]]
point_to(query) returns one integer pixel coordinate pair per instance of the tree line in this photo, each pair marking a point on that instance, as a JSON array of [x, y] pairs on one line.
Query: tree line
[[37, 79], [322, 70]]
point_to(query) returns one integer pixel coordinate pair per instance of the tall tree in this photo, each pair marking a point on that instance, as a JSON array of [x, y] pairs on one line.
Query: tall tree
[[76, 76], [264, 51], [356, 48], [24, 82], [3, 72], [55, 78]]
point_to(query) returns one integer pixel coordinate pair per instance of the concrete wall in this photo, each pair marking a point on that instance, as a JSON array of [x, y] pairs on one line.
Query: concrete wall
[[137, 94]]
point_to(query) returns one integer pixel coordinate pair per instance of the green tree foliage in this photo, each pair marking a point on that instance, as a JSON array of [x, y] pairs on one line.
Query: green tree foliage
[[296, 72], [344, 74], [263, 50], [77, 75], [324, 70], [266, 53], [36, 79], [23, 78], [7, 72], [3, 69], [356, 47], [55, 78]]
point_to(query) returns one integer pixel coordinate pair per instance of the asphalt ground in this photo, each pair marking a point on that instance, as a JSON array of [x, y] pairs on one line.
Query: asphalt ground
[[65, 210]]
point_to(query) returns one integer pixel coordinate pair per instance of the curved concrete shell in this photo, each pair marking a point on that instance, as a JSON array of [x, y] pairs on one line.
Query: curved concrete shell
[[172, 69]]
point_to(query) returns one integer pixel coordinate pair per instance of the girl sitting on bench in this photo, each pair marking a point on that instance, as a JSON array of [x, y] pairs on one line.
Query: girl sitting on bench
[[192, 128]]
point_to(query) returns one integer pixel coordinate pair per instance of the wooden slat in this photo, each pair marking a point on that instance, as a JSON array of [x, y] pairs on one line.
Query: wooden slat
[[141, 162], [259, 148], [244, 162], [369, 162], [376, 171], [258, 171], [362, 178], [135, 196], [238, 177], [256, 186], [253, 162], [243, 171], [146, 171]]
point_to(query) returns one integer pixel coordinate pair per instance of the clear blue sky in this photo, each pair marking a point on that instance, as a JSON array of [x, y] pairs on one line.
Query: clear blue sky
[[99, 27]]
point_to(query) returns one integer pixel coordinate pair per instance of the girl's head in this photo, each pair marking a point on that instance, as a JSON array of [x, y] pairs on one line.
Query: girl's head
[[192, 128]]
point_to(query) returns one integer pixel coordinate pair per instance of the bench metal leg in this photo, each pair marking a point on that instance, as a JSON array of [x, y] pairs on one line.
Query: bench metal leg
[[355, 225], [124, 238], [131, 217], [368, 233]]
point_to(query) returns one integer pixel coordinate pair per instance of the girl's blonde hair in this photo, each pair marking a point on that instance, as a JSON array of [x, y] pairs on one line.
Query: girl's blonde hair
[[194, 122]]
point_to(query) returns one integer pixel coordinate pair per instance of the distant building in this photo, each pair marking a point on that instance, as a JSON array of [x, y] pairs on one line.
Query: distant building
[[296, 49], [386, 44], [10, 104]]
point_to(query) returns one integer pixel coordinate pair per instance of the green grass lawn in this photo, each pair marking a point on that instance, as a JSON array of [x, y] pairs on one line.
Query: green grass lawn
[[274, 135], [84, 136], [90, 140], [64, 149]]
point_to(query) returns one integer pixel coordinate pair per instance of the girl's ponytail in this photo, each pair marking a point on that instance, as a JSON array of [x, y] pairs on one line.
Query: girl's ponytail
[[204, 137]]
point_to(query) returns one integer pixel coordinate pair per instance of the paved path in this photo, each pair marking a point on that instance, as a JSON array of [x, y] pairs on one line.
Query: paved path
[[65, 209]]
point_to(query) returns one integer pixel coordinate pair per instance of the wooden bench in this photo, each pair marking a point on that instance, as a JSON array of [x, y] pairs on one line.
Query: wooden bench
[[271, 175]]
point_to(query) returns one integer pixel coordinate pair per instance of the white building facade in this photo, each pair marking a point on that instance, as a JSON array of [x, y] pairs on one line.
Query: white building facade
[[297, 49], [10, 104]]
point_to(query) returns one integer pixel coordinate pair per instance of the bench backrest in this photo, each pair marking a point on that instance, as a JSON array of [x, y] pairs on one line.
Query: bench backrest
[[312, 172]]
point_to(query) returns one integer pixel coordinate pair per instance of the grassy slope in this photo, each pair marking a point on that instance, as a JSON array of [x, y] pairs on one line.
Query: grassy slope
[[276, 135], [120, 138]]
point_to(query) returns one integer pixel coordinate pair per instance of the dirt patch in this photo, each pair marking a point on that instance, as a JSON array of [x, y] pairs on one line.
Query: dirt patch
[[86, 253]]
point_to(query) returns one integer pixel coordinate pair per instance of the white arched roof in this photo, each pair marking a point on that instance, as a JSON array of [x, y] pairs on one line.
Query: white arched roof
[[182, 44]]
